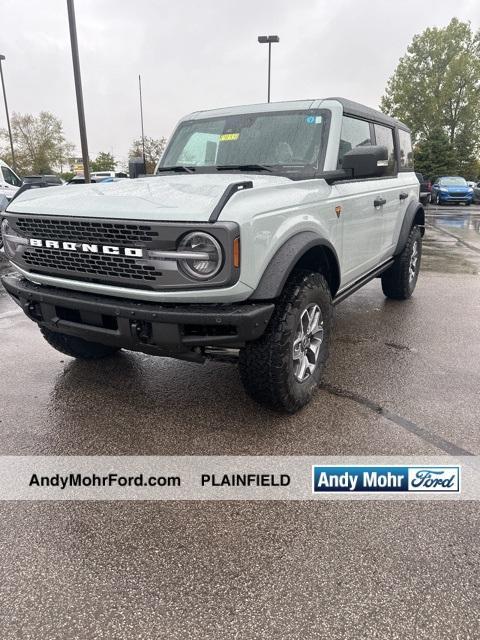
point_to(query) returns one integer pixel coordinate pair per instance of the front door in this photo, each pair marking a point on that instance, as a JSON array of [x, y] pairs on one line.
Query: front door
[[361, 219], [362, 227]]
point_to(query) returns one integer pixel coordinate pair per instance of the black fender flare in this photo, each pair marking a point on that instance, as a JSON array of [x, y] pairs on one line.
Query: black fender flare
[[283, 262], [413, 209]]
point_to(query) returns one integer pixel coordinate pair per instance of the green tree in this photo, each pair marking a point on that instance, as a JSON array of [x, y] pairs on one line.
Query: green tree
[[434, 155], [466, 154], [154, 148], [103, 162], [436, 87], [39, 143]]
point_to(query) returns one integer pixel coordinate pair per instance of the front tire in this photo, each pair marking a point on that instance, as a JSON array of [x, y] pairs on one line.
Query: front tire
[[282, 369], [399, 281], [77, 347]]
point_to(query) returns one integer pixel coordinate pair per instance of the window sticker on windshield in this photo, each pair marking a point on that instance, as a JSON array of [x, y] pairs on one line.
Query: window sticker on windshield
[[313, 119], [229, 136]]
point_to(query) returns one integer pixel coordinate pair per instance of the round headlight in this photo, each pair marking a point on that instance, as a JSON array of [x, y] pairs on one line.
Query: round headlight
[[206, 260], [12, 242]]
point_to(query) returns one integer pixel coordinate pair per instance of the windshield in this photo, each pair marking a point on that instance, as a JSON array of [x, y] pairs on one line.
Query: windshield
[[290, 139], [453, 181]]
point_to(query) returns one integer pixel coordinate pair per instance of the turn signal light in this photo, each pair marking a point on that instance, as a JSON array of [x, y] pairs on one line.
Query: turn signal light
[[236, 253]]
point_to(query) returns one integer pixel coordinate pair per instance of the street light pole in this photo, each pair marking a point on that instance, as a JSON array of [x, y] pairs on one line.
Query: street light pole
[[269, 68], [268, 40], [141, 118], [6, 113], [78, 88]]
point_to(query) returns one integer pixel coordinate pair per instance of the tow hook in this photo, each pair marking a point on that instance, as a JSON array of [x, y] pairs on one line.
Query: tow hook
[[141, 329]]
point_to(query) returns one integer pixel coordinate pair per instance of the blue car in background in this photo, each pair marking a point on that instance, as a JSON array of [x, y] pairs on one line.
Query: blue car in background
[[450, 189]]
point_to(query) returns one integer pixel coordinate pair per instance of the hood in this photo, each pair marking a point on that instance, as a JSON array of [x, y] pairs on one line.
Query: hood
[[175, 198], [456, 188]]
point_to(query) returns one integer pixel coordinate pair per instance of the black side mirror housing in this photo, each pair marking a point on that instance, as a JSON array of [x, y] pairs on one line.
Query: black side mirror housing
[[136, 167], [369, 161]]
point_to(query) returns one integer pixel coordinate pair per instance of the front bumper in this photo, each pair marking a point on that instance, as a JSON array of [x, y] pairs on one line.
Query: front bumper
[[445, 197], [175, 330]]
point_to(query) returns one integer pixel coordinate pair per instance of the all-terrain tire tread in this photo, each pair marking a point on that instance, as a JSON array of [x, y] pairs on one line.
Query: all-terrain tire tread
[[263, 363], [395, 281]]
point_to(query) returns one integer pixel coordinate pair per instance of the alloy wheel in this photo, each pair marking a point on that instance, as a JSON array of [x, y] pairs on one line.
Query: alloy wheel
[[412, 267], [307, 342]]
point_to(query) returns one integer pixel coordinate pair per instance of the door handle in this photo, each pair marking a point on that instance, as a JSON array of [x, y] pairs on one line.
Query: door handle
[[378, 202], [403, 195]]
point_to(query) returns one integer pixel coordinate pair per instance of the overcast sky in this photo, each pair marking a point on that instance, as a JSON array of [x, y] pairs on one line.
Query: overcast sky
[[201, 54]]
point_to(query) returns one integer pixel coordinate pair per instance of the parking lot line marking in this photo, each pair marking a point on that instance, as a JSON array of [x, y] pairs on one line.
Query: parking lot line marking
[[422, 432]]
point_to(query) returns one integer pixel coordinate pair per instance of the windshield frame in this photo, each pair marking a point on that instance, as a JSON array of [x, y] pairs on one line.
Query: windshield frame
[[294, 172]]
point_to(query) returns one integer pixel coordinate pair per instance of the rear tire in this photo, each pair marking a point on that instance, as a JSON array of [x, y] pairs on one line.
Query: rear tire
[[77, 347], [282, 369], [399, 281]]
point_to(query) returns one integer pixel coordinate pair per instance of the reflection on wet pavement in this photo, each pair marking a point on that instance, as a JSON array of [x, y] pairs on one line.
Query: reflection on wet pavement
[[452, 241]]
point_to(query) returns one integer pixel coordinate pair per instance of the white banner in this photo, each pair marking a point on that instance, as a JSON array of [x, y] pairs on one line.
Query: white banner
[[238, 478]]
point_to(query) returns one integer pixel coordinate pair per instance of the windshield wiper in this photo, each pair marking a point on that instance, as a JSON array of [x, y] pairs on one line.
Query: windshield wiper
[[244, 167], [179, 168]]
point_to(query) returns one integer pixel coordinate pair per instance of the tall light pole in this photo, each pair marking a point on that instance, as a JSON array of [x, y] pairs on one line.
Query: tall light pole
[[141, 118], [6, 113], [268, 40], [78, 89]]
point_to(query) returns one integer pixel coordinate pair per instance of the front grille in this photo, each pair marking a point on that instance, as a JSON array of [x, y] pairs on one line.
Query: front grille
[[117, 233], [95, 265], [104, 266]]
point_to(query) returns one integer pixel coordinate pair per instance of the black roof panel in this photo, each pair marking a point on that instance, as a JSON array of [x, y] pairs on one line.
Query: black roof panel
[[361, 111]]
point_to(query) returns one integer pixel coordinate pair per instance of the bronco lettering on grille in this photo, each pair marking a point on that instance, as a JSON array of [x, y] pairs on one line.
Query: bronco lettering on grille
[[87, 247]]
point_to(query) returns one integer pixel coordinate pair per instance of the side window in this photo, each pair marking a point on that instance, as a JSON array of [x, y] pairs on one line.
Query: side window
[[10, 177], [406, 151], [384, 137], [355, 133]]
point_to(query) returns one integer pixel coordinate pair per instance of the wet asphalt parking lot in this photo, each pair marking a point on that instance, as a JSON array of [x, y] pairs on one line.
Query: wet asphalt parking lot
[[403, 378]]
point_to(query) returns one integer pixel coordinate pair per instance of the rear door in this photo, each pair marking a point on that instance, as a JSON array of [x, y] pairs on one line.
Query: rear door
[[391, 190]]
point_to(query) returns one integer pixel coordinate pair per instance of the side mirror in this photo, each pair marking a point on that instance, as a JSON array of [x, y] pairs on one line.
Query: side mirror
[[368, 161], [136, 167]]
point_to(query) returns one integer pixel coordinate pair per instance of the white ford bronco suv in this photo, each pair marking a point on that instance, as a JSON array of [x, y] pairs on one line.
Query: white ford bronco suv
[[257, 221]]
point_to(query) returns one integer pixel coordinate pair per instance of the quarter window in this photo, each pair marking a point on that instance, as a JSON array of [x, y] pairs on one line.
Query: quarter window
[[384, 138], [355, 133], [406, 151]]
